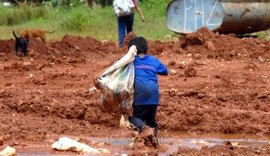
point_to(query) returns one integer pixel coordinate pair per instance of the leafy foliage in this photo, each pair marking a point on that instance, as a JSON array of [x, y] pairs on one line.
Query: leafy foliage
[[77, 20], [62, 3]]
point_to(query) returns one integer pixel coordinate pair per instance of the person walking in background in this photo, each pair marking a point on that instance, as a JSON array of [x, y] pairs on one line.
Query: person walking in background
[[124, 9], [146, 90]]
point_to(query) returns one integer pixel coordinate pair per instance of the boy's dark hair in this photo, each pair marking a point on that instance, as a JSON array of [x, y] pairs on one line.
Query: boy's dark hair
[[140, 43]]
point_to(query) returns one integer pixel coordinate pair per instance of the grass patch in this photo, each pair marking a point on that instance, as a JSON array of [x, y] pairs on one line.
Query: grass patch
[[19, 15], [264, 35], [98, 22], [77, 20]]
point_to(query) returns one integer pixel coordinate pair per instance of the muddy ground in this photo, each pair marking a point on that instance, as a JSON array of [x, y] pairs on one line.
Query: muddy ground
[[218, 84]]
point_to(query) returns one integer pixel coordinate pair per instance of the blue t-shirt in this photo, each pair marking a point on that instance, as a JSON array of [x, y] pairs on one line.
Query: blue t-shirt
[[146, 89]]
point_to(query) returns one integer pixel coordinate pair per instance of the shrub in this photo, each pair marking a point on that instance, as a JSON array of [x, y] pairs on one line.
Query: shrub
[[78, 20]]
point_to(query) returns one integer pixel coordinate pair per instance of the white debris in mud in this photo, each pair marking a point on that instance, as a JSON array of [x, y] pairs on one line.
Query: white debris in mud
[[124, 122], [27, 64], [93, 89], [31, 75], [173, 72], [8, 151], [67, 144], [202, 143]]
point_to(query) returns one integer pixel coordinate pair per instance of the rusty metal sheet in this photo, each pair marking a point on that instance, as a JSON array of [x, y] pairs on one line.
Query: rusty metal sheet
[[225, 16]]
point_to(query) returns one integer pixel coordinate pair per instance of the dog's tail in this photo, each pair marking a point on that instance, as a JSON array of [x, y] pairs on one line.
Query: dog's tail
[[14, 34], [50, 32]]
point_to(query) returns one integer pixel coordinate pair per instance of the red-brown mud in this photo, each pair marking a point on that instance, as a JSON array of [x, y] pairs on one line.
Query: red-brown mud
[[218, 84], [225, 150]]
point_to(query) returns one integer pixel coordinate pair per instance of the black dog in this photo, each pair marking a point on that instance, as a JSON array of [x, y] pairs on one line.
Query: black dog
[[22, 43]]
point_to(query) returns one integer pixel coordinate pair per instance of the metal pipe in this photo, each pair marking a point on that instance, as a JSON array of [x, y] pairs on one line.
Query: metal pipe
[[225, 16]]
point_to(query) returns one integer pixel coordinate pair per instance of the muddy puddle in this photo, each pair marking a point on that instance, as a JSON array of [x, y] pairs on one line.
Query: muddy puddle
[[119, 146]]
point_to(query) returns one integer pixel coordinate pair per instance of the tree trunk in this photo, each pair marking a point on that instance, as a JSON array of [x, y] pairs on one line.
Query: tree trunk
[[90, 2]]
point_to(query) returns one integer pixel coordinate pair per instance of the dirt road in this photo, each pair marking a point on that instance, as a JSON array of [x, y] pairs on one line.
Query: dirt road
[[218, 84]]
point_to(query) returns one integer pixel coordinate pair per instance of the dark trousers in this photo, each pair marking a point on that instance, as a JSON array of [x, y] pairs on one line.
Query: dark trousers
[[144, 115], [125, 25]]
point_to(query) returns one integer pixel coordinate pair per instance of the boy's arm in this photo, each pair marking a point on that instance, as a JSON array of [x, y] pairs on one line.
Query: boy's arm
[[162, 69]]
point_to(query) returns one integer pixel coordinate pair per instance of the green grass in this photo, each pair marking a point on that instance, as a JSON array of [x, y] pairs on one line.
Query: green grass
[[20, 15], [264, 35], [100, 23]]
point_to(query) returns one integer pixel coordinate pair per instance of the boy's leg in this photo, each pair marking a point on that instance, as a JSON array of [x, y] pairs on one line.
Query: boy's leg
[[138, 117], [151, 117], [121, 30], [151, 121], [145, 132]]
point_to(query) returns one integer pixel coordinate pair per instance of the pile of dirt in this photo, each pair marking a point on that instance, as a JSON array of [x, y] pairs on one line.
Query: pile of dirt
[[128, 37], [208, 44], [87, 44], [7, 46], [68, 45]]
